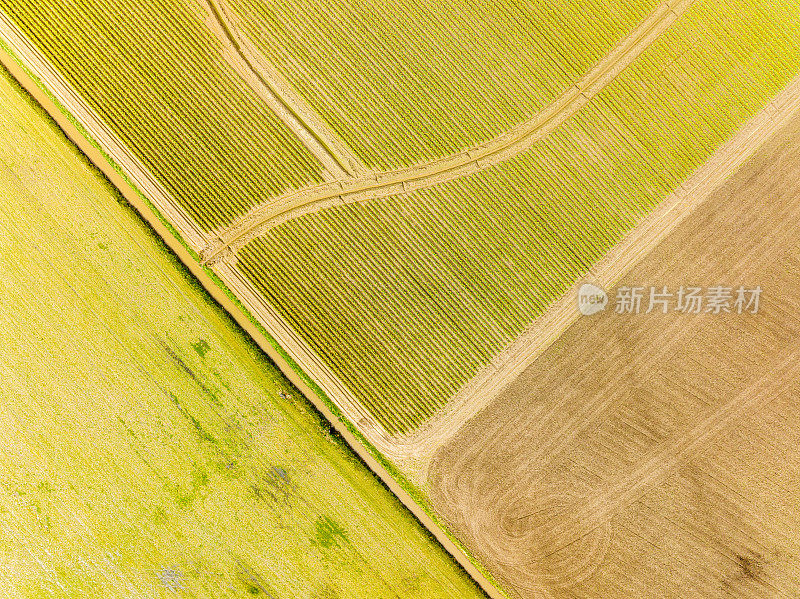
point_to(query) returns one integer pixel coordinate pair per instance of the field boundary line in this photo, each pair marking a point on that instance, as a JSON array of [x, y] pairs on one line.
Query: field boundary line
[[280, 96], [178, 240], [108, 141], [260, 219], [303, 354], [415, 450]]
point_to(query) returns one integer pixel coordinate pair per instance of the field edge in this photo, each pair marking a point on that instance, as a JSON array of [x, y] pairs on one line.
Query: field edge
[[415, 451], [406, 492]]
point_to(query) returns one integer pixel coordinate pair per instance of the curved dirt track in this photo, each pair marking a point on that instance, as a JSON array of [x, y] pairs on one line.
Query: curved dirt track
[[653, 455], [503, 147], [279, 95]]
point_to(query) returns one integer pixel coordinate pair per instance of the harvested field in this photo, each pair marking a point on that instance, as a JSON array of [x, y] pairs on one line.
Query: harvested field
[[654, 455]]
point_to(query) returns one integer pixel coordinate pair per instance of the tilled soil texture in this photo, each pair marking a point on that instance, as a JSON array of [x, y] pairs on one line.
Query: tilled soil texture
[[655, 455]]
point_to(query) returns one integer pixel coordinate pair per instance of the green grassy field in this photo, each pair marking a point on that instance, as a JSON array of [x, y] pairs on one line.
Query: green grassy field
[[408, 297], [407, 80], [148, 449], [156, 75]]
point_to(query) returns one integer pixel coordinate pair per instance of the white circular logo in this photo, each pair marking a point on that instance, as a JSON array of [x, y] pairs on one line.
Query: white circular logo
[[591, 299]]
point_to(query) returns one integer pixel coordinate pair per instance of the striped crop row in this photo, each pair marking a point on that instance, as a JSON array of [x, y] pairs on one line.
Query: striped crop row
[[156, 76], [409, 80], [407, 297]]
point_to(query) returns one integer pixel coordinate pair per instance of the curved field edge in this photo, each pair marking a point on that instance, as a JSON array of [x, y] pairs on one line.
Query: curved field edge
[[408, 494], [416, 450]]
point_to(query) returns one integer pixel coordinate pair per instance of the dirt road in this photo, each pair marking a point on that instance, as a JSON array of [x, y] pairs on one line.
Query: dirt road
[[379, 185], [272, 87]]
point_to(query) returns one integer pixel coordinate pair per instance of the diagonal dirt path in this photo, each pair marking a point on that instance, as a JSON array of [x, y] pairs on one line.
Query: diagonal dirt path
[[293, 110], [503, 147], [108, 142], [415, 450]]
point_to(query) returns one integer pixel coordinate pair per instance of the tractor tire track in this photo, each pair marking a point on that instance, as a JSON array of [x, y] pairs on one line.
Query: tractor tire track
[[505, 146], [272, 88]]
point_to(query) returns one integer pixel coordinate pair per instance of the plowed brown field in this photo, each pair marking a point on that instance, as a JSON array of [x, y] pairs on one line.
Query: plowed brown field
[[655, 455]]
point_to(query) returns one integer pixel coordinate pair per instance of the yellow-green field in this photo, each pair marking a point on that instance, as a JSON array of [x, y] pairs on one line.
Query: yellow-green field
[[155, 74], [407, 297], [407, 80], [146, 448], [149, 448]]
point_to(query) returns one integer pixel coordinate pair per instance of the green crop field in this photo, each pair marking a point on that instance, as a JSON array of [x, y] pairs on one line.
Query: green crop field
[[405, 298], [408, 296], [408, 80], [155, 74], [148, 449]]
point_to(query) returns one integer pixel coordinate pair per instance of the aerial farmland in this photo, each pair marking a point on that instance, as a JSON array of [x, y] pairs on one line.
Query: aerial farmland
[[404, 203], [149, 448]]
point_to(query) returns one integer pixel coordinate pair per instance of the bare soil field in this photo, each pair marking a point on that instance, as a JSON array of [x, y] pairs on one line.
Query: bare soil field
[[415, 451], [654, 455]]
